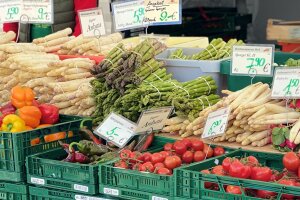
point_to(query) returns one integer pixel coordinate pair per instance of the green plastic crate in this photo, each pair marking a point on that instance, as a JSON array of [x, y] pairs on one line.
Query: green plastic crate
[[130, 184], [12, 191], [47, 168], [189, 181], [237, 82], [14, 147], [38, 193]]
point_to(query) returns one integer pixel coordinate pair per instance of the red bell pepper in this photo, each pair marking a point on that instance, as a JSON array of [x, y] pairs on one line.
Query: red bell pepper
[[50, 114], [5, 110]]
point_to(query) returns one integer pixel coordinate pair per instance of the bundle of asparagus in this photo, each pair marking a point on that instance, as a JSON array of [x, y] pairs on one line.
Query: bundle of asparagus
[[7, 37], [54, 41], [217, 49]]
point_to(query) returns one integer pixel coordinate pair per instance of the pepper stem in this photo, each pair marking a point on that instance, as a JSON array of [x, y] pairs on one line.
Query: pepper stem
[[71, 148], [10, 126]]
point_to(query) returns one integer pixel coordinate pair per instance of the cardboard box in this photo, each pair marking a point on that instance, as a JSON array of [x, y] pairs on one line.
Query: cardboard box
[[288, 31]]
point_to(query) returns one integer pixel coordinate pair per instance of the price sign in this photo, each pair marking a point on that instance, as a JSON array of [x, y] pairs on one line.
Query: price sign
[[286, 83], [10, 10], [38, 11], [163, 12], [116, 129], [128, 14], [152, 120], [216, 123], [252, 60], [92, 22]]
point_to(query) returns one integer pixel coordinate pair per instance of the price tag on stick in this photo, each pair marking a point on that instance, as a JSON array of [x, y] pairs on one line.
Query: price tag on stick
[[128, 14], [92, 22], [216, 123], [286, 83], [10, 10], [163, 12], [252, 60], [116, 129], [39, 11]]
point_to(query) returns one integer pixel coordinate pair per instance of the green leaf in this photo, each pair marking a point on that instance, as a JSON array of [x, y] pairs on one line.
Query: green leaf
[[286, 132], [277, 136]]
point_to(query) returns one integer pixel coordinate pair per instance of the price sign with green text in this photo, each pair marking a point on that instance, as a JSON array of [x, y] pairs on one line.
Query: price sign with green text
[[163, 12], [216, 123], [38, 11], [128, 14], [116, 129], [252, 60], [286, 83], [10, 10]]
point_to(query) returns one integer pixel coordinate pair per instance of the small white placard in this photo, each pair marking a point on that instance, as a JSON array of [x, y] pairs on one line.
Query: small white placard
[[116, 129], [252, 60], [92, 22], [37, 11], [286, 83], [111, 191], [152, 120], [37, 181], [81, 188], [158, 198], [82, 197], [128, 14], [216, 123], [10, 10]]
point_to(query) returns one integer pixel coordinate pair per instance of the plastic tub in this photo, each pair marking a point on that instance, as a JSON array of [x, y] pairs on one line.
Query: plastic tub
[[12, 191], [186, 70]]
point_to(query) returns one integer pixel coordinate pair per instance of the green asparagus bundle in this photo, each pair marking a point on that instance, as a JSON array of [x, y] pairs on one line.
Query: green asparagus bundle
[[227, 49], [292, 63]]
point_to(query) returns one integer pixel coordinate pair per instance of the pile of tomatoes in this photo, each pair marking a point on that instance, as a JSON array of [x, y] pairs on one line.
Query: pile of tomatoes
[[250, 168], [174, 155]]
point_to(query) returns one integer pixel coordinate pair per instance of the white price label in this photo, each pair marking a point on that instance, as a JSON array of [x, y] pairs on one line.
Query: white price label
[[81, 188], [92, 22], [216, 123], [128, 14], [152, 120], [286, 83], [158, 198], [252, 60], [116, 129], [110, 191], [163, 12], [10, 10], [37, 181], [82, 197], [37, 11]]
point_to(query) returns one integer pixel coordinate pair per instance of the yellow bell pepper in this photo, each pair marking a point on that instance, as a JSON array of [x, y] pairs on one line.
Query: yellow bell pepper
[[13, 124]]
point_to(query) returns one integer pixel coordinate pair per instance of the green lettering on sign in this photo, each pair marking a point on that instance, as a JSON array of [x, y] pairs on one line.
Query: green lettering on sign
[[12, 11], [138, 15], [293, 83], [214, 125]]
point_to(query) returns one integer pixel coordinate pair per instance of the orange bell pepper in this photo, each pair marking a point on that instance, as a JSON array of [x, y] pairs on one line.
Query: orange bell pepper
[[22, 96], [31, 115], [57, 136]]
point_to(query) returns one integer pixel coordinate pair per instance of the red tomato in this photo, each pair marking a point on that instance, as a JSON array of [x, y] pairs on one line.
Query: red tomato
[[125, 154], [147, 157], [135, 157], [168, 147], [121, 164], [291, 161], [265, 194], [147, 167], [219, 151], [197, 145], [239, 170], [157, 166], [187, 142], [178, 161], [252, 160], [179, 148], [289, 183], [206, 184], [157, 158], [208, 151], [188, 157], [299, 171], [226, 164], [170, 162], [199, 156], [233, 189], [136, 166], [261, 174], [218, 170], [165, 153], [164, 171]]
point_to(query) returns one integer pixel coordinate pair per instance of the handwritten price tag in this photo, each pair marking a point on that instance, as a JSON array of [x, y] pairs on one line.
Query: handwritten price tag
[[38, 11], [128, 14], [92, 22], [116, 129], [163, 12], [252, 60], [286, 83], [10, 10], [152, 120], [216, 123]]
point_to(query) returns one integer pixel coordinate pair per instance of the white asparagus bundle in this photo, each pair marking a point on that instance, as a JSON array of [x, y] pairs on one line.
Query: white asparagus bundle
[[7, 37]]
